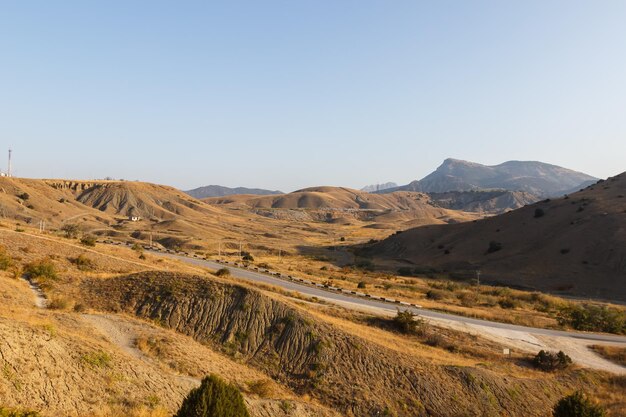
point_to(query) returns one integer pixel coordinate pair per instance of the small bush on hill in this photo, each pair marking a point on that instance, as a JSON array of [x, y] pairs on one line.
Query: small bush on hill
[[248, 257], [435, 295], [508, 302], [549, 361], [83, 263], [468, 299], [222, 272], [262, 388], [97, 359], [40, 269], [361, 285], [23, 196], [213, 398], [591, 317], [88, 240], [539, 213], [407, 322], [70, 230], [577, 405]]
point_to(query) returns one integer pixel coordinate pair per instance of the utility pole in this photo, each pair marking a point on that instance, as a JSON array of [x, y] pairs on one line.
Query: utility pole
[[219, 250], [151, 239], [9, 167], [478, 277], [240, 249], [279, 254]]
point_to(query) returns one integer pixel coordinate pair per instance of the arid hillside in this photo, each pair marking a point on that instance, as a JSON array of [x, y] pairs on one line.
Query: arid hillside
[[348, 373], [144, 213], [575, 245], [487, 202], [339, 204]]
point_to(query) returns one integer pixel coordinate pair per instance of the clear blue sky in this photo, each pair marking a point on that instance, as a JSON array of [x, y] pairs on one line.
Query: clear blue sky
[[288, 94]]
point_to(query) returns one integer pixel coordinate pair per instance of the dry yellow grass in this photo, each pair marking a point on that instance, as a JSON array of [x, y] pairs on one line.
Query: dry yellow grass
[[613, 353]]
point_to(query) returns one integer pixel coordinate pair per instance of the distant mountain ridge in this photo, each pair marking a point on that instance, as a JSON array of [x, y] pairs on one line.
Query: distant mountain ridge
[[537, 178], [220, 191], [379, 187]]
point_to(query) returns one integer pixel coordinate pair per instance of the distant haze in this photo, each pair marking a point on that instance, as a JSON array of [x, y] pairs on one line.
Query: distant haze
[[287, 95]]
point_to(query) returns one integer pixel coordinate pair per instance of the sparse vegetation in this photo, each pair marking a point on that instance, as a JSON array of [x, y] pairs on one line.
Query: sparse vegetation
[[6, 261], [213, 398], [612, 353], [263, 388], [362, 285], [590, 317], [43, 268], [70, 230], [83, 263], [222, 272], [539, 213], [97, 359], [407, 322], [577, 405], [88, 240], [550, 361]]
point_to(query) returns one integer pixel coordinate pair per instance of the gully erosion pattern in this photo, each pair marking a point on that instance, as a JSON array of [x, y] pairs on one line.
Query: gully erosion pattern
[[350, 374]]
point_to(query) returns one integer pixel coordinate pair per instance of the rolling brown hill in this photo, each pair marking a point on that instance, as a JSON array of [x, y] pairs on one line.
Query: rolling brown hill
[[575, 245], [339, 204]]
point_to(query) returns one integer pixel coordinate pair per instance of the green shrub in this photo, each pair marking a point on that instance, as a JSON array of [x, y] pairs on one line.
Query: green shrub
[[263, 388], [407, 322], [97, 359], [361, 284], [589, 317], [508, 303], [43, 268], [468, 299], [71, 230], [213, 398], [83, 263], [247, 257], [435, 295], [549, 361], [222, 272], [577, 405], [88, 240]]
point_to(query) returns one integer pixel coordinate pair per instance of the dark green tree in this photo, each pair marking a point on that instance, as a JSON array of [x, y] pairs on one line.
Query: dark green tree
[[577, 405], [213, 398]]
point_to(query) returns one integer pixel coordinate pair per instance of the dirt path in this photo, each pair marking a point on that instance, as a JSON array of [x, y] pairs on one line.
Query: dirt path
[[123, 333]]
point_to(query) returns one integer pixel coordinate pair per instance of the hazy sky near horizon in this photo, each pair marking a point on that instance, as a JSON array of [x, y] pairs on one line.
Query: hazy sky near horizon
[[289, 94]]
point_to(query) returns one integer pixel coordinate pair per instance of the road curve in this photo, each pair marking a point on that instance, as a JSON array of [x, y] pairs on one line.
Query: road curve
[[346, 299]]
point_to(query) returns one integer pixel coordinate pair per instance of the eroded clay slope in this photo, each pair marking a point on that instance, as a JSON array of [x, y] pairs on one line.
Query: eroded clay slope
[[354, 376]]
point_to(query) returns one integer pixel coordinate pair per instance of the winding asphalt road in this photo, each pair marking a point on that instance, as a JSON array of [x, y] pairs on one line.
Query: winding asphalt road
[[347, 299]]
